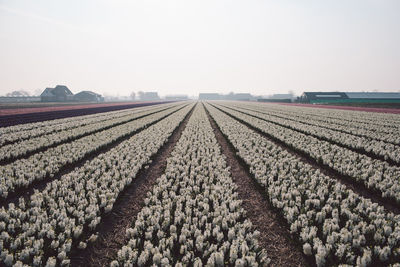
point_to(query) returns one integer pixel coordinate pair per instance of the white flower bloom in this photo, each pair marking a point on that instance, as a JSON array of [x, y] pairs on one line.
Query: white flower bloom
[[51, 262], [307, 249], [9, 259]]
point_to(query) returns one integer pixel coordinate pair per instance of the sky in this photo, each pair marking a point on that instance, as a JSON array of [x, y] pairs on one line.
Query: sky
[[263, 47]]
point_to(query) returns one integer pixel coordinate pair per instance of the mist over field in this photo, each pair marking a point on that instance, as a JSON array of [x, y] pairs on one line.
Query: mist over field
[[189, 47]]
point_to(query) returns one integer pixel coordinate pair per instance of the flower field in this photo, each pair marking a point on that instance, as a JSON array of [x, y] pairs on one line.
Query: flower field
[[13, 115], [202, 184]]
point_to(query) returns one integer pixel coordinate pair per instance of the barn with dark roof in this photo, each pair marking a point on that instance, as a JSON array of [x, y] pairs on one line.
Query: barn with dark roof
[[88, 96], [60, 93]]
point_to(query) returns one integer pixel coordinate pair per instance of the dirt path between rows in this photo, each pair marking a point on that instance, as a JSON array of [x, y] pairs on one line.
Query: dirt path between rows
[[274, 235], [111, 230], [358, 187]]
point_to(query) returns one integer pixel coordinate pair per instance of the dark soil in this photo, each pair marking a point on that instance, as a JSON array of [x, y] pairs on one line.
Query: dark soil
[[111, 230], [41, 184], [358, 187], [274, 235]]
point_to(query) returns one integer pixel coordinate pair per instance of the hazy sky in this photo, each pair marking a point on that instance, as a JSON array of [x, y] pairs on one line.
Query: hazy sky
[[183, 46]]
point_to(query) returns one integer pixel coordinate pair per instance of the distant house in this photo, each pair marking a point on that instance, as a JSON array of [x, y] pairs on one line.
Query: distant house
[[60, 93], [88, 96], [176, 97], [281, 96], [149, 96], [313, 97], [230, 96], [240, 96], [349, 97], [277, 98]]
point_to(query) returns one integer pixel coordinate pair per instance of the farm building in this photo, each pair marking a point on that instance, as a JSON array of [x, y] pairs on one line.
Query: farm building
[[275, 100], [281, 96], [321, 97], [391, 97], [148, 96], [209, 96], [231, 96], [278, 98], [176, 97], [240, 96], [88, 96], [349, 97], [60, 93]]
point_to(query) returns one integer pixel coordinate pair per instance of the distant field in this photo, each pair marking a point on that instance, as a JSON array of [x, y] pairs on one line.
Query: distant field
[[7, 105], [379, 108], [19, 108], [371, 105], [14, 114]]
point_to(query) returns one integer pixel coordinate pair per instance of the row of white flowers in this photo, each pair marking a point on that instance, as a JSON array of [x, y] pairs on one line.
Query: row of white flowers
[[48, 123], [334, 224], [375, 174], [370, 131], [378, 148], [384, 122], [42, 230], [22, 173], [375, 118], [192, 216], [22, 148], [21, 132]]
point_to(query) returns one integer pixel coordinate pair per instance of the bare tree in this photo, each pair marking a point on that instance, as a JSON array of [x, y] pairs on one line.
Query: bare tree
[[18, 93], [133, 95], [141, 94]]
